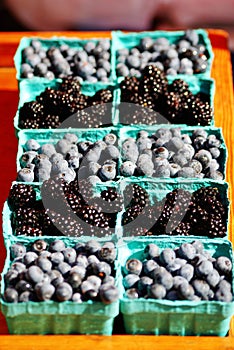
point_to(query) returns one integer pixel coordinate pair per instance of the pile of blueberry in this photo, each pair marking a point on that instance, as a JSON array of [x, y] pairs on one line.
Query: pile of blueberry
[[159, 102], [186, 56], [89, 63], [200, 213], [170, 153], [70, 158], [188, 272], [71, 209], [53, 271], [54, 105]]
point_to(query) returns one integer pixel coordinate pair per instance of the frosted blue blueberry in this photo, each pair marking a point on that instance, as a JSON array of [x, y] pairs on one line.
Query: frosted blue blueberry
[[127, 168], [29, 258], [27, 158], [59, 167], [121, 59], [199, 142], [68, 175], [17, 250], [25, 175], [77, 298], [74, 279], [122, 70], [186, 291], [18, 266], [172, 295], [63, 268], [133, 266], [62, 146], [187, 151], [174, 144], [134, 73], [215, 175], [45, 291], [223, 295], [123, 52], [34, 274], [26, 296], [177, 280], [81, 270], [161, 152], [143, 284], [69, 255], [179, 159], [93, 180], [201, 288], [145, 166], [110, 139], [200, 132], [162, 276], [10, 295], [146, 56], [215, 152], [56, 258], [186, 271], [187, 251], [95, 280], [130, 280], [73, 162], [32, 145], [91, 79], [108, 279], [57, 246], [42, 174], [157, 291], [143, 142], [101, 73], [196, 166], [85, 69], [224, 265], [81, 55], [104, 64], [167, 256], [162, 171], [204, 268], [44, 264], [89, 46], [56, 157], [146, 43], [198, 245], [108, 293], [130, 151], [63, 291], [174, 168], [33, 60], [213, 278], [192, 36], [107, 172], [111, 152], [93, 155], [204, 157], [186, 139], [132, 293], [186, 172], [171, 71], [88, 289], [149, 266]]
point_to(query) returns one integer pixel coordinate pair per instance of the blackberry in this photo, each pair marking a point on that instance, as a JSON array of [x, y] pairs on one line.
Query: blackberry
[[30, 123], [171, 105], [153, 81], [195, 112], [160, 226], [180, 87], [75, 202], [131, 214], [50, 122], [66, 225], [93, 216], [31, 111], [47, 225], [104, 96], [21, 195], [182, 229], [53, 193], [114, 199], [139, 196], [25, 217], [28, 231], [71, 85]]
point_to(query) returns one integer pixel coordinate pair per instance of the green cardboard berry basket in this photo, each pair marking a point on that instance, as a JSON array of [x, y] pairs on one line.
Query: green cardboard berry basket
[[51, 317], [157, 190], [55, 41], [182, 317], [132, 131], [43, 136], [196, 85], [132, 39], [113, 234], [30, 89]]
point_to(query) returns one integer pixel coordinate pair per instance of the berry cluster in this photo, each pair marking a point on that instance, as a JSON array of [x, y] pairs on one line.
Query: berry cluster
[[169, 153], [201, 213], [71, 209], [187, 56], [70, 159], [54, 105], [156, 98], [53, 271], [188, 272], [90, 63]]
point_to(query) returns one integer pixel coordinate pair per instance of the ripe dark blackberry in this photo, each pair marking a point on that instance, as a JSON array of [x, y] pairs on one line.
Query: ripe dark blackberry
[[71, 85], [47, 225], [50, 122], [170, 106], [153, 81], [182, 229], [195, 112], [113, 198], [30, 123], [75, 202], [31, 111], [25, 217], [180, 87], [53, 192], [135, 195], [66, 225], [93, 216], [103, 95], [160, 226], [28, 231], [130, 89], [21, 195], [131, 214], [73, 187]]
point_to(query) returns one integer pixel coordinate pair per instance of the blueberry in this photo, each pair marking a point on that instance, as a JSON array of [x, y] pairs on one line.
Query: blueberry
[[111, 152], [45, 291], [77, 298], [44, 264], [23, 286], [198, 245], [146, 43], [123, 52], [25, 175], [149, 266], [196, 166], [134, 73], [81, 270], [130, 151], [178, 280], [172, 295], [186, 271], [33, 60], [215, 175], [167, 256], [186, 172], [47, 149], [187, 251], [171, 71], [73, 162], [223, 265], [39, 245], [63, 291], [110, 139], [127, 168], [157, 291], [151, 251], [162, 276], [63, 268], [32, 145], [174, 168], [35, 274], [11, 277], [93, 180], [57, 258], [201, 288], [175, 143], [187, 151], [27, 158], [59, 167], [89, 46], [133, 266], [57, 246], [192, 36], [186, 291], [161, 152], [17, 250], [213, 278], [186, 139], [162, 171], [101, 73], [130, 281], [105, 64], [11, 295], [102, 269], [107, 172], [69, 255], [143, 284], [204, 157], [224, 285], [26, 296], [204, 268], [132, 293], [95, 280], [122, 70], [108, 293], [180, 160], [145, 166], [29, 258], [74, 279], [107, 252], [108, 279], [62, 146], [83, 260], [223, 295], [88, 289], [92, 246]]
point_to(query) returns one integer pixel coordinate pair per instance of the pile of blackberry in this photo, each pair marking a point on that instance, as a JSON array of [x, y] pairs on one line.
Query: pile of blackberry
[[200, 213], [54, 105], [65, 205], [174, 102]]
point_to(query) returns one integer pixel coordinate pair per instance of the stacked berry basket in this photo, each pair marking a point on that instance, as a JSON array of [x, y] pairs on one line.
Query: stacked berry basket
[[120, 207]]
